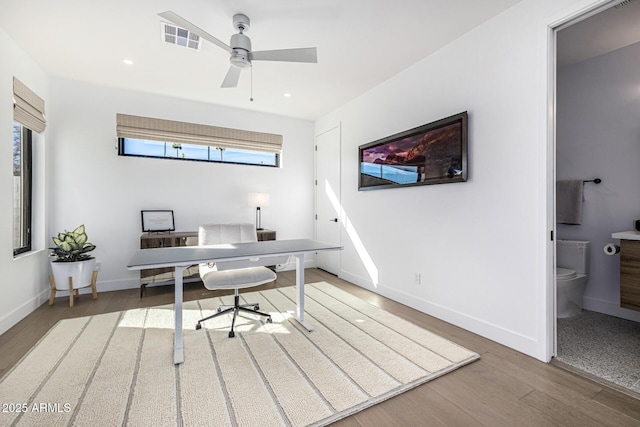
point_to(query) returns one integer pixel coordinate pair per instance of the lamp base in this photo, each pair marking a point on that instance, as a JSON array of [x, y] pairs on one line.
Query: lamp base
[[258, 219]]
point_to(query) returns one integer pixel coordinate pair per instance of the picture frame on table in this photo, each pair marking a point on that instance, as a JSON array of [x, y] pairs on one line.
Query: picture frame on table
[[156, 221]]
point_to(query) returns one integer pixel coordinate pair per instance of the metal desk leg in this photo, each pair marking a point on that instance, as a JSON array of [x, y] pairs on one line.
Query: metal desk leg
[[178, 356], [300, 292]]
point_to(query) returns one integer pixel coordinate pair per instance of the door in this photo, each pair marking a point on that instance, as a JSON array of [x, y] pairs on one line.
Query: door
[[328, 208]]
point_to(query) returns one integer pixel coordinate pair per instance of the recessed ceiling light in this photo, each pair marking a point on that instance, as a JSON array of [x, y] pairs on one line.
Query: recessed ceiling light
[[127, 61], [287, 95]]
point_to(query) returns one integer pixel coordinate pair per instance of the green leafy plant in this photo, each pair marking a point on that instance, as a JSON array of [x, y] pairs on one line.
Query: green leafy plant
[[72, 246]]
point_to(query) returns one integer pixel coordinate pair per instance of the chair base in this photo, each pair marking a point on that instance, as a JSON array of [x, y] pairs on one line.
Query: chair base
[[236, 308]]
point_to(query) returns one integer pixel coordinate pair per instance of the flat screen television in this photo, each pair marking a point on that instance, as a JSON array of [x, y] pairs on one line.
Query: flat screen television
[[434, 153]]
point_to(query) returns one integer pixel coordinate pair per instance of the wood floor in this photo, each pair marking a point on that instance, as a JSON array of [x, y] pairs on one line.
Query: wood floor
[[503, 388]]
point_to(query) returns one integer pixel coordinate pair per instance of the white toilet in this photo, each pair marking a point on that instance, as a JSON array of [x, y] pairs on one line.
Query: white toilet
[[572, 273]]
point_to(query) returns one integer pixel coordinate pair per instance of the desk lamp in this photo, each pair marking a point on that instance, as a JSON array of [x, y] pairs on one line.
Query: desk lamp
[[258, 200]]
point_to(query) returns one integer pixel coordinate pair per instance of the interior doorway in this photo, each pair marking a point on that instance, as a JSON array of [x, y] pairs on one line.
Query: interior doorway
[[592, 81]]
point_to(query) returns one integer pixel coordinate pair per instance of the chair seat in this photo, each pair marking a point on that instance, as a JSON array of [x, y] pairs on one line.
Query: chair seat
[[237, 279]]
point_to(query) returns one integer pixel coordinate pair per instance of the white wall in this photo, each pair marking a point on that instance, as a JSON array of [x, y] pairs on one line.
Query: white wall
[[599, 136], [482, 247], [94, 186], [24, 281]]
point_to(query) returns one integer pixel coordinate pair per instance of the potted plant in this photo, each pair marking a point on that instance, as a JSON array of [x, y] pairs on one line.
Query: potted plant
[[73, 267]]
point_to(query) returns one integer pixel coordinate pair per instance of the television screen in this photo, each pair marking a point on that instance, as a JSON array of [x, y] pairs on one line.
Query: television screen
[[434, 153]]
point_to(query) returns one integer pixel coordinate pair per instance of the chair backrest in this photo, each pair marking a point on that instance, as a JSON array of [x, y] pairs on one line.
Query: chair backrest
[[245, 273], [215, 234]]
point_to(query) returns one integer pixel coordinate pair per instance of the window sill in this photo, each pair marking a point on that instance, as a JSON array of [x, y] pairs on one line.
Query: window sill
[[31, 253]]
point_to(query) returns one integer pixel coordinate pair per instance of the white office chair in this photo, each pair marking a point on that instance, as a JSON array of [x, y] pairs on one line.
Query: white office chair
[[234, 274]]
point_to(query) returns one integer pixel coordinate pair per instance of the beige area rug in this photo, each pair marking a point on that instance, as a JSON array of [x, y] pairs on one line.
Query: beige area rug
[[117, 369]]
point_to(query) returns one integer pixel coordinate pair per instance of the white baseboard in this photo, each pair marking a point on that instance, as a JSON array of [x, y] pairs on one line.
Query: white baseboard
[[13, 317], [610, 308], [512, 339]]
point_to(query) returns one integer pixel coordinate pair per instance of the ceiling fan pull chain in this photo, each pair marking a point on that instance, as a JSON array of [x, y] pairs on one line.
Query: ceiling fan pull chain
[[251, 98]]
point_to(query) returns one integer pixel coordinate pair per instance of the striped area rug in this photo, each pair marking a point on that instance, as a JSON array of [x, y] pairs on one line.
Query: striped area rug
[[117, 369]]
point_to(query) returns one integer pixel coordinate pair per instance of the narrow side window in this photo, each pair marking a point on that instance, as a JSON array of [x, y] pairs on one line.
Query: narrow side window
[[22, 188]]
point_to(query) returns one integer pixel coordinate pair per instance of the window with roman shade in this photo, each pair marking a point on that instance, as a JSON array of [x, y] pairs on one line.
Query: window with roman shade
[[146, 128], [28, 108]]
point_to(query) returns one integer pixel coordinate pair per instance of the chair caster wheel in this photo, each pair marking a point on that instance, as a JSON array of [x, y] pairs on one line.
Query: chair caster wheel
[[232, 334], [198, 327], [269, 320], [256, 307]]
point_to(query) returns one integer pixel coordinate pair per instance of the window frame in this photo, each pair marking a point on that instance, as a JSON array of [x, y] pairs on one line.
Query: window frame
[[26, 190], [121, 152]]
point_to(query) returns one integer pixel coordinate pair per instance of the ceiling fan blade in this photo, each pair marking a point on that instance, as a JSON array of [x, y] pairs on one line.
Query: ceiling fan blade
[[306, 54], [183, 23], [232, 77]]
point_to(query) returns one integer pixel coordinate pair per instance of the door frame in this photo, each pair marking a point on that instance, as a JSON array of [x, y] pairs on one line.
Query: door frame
[[552, 29]]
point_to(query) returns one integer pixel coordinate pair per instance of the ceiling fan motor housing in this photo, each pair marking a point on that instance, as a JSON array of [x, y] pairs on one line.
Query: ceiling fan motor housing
[[241, 46]]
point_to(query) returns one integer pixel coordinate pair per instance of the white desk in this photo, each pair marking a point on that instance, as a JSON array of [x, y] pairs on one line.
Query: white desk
[[184, 256]]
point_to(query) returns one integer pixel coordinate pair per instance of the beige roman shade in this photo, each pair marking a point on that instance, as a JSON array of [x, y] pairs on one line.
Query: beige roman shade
[[28, 108], [191, 133]]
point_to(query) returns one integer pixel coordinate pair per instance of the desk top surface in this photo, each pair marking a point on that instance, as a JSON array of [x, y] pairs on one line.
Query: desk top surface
[[189, 255]]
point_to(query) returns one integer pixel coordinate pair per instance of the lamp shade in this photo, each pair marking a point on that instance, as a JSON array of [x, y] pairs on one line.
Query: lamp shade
[[258, 199]]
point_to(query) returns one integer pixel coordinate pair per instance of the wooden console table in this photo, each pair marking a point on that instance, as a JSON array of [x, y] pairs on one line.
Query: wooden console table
[[166, 275]]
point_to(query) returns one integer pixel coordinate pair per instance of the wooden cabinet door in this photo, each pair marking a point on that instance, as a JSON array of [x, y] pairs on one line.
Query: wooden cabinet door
[[630, 274]]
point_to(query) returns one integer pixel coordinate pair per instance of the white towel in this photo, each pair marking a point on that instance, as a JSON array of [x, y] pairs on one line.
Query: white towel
[[569, 198]]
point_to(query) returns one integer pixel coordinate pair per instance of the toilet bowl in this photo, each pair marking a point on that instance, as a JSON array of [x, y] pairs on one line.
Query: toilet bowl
[[572, 273], [570, 289]]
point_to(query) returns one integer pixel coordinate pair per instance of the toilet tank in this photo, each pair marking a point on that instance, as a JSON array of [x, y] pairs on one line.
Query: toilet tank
[[573, 254]]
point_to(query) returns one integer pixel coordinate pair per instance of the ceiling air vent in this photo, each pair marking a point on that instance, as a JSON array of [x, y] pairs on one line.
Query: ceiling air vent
[[622, 4], [179, 36]]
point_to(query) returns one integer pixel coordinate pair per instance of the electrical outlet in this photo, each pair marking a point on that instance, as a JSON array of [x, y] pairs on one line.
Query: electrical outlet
[[418, 278]]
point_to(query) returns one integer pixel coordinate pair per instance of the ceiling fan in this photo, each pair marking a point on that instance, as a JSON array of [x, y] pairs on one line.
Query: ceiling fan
[[240, 47]]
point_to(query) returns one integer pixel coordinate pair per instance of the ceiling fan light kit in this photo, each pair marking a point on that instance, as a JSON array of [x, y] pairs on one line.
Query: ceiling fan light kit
[[239, 47]]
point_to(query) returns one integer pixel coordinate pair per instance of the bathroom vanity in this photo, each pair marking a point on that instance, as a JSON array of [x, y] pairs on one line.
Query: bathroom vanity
[[629, 269]]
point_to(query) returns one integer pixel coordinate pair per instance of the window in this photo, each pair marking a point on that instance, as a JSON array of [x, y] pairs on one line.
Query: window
[[22, 189], [168, 139], [28, 117], [197, 152]]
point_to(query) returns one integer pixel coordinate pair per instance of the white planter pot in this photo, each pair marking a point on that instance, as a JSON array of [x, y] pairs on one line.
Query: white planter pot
[[80, 271]]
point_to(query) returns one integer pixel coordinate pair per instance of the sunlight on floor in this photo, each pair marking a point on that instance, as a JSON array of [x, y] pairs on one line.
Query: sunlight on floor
[[163, 318]]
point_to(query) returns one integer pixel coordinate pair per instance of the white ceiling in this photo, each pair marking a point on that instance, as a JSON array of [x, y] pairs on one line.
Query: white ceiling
[[361, 43], [608, 30]]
